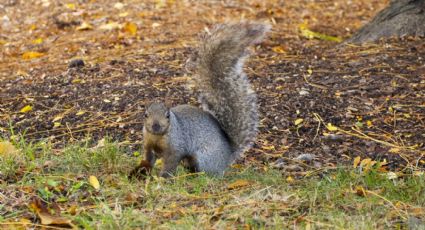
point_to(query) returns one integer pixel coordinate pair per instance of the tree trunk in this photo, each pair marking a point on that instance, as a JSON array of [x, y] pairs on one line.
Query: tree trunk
[[400, 18]]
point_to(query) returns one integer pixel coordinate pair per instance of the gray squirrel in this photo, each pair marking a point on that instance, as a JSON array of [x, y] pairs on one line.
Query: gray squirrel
[[208, 139]]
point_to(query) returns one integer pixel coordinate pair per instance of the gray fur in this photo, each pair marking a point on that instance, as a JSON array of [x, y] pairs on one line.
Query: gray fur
[[212, 138], [197, 134], [224, 88]]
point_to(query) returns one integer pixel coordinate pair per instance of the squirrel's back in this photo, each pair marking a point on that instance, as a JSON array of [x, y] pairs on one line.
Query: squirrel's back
[[197, 134]]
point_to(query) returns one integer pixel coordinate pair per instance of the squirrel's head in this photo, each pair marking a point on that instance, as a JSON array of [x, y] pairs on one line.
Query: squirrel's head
[[157, 118]]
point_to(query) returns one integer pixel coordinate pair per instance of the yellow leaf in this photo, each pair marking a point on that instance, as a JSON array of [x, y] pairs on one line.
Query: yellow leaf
[[268, 147], [356, 162], [360, 191], [31, 54], [366, 162], [70, 6], [238, 184], [8, 149], [84, 26], [123, 14], [26, 109], [298, 121], [58, 117], [369, 124], [130, 28], [79, 113], [290, 179], [158, 163], [37, 41], [56, 124], [309, 71], [278, 49], [94, 182], [331, 127], [311, 34], [394, 150], [110, 26]]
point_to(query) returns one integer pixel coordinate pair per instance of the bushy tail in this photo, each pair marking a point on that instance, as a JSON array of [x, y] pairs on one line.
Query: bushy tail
[[224, 88]]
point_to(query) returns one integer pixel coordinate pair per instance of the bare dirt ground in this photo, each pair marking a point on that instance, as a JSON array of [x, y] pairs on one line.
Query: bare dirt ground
[[135, 52]]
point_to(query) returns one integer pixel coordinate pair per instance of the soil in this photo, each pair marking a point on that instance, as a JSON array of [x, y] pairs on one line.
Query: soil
[[93, 83]]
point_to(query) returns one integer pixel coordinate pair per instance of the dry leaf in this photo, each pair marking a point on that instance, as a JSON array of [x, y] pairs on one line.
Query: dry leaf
[[360, 191], [31, 55], [238, 184], [84, 26], [70, 6], [8, 149], [311, 34], [278, 49], [37, 41], [79, 113], [110, 26], [130, 28], [94, 182], [356, 162], [290, 179], [331, 127], [48, 219], [26, 109], [392, 175], [298, 121], [365, 162]]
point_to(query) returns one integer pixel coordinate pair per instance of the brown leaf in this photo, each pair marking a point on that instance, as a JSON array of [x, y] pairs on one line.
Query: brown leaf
[[238, 184], [48, 219]]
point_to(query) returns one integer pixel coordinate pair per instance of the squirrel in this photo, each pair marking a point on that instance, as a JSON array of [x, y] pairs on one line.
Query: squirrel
[[208, 139]]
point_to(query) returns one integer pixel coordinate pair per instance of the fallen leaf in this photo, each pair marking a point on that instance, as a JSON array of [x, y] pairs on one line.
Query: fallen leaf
[[79, 113], [298, 121], [48, 219], [110, 26], [290, 179], [305, 32], [94, 182], [238, 184], [391, 176], [278, 49], [331, 127], [130, 28], [8, 149], [37, 41], [365, 162], [70, 6], [31, 55], [84, 26], [26, 109], [360, 191], [310, 71], [356, 161]]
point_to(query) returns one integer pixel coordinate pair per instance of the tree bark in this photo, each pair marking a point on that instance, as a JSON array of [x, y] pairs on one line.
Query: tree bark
[[400, 18]]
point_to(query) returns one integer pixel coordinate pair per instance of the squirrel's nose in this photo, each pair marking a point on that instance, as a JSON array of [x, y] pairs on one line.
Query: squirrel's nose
[[156, 127]]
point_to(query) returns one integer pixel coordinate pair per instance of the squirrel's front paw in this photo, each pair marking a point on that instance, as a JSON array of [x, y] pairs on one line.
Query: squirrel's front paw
[[141, 171]]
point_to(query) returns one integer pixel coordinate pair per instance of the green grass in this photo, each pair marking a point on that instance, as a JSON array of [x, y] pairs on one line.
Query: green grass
[[333, 200]]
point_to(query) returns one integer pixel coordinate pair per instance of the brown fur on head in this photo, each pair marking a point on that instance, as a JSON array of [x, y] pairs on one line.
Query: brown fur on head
[[157, 118]]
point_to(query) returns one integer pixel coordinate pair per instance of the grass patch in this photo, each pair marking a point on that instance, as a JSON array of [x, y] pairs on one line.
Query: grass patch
[[338, 199]]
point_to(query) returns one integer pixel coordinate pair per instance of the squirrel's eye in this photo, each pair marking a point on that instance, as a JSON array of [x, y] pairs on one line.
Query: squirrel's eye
[[167, 115], [146, 115]]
